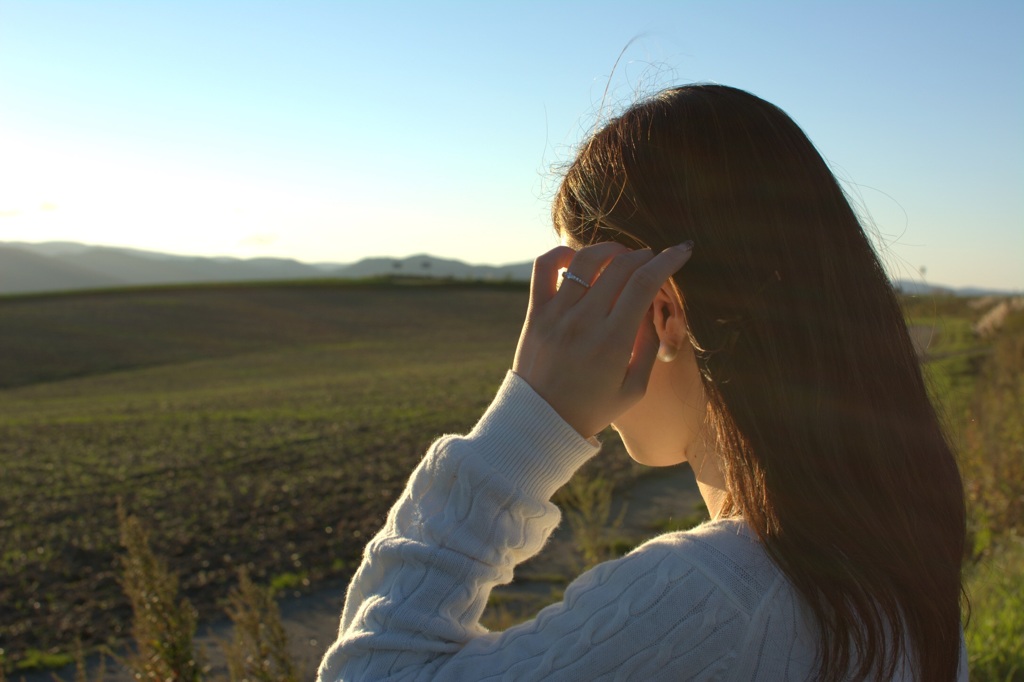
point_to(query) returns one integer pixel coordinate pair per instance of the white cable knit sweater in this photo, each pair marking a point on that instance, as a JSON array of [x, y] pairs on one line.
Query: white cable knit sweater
[[707, 604]]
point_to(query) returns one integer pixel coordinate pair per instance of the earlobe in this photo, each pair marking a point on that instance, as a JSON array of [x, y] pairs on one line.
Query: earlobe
[[669, 323], [667, 352]]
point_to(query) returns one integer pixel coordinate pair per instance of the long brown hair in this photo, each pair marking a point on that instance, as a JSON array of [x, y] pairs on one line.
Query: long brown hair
[[832, 451]]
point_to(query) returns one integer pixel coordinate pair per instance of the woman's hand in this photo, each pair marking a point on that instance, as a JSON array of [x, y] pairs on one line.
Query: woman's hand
[[588, 351]]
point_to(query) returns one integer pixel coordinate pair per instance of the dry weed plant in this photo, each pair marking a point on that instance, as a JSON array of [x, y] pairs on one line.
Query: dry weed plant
[[258, 650], [588, 509], [163, 627], [81, 671]]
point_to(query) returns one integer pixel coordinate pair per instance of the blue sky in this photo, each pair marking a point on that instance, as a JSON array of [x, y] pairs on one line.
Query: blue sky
[[333, 131]]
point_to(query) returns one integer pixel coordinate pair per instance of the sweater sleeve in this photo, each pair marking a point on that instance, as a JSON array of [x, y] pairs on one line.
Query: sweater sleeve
[[476, 507]]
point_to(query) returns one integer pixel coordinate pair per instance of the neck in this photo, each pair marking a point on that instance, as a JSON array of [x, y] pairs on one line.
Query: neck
[[710, 480]]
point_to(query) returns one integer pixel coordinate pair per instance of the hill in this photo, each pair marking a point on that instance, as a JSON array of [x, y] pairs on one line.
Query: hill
[[66, 266], [58, 336]]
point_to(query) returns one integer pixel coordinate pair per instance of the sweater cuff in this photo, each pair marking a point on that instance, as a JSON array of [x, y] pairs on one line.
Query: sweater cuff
[[526, 441]]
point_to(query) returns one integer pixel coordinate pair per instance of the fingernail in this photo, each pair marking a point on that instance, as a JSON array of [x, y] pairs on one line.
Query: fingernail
[[686, 246]]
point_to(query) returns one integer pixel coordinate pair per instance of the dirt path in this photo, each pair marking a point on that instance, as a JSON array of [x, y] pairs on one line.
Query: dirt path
[[311, 621], [659, 498]]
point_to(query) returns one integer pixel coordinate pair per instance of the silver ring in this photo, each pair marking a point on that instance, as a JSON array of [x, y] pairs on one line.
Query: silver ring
[[575, 278]]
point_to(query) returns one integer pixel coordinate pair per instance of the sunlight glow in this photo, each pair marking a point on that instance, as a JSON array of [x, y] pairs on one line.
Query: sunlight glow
[[47, 193]]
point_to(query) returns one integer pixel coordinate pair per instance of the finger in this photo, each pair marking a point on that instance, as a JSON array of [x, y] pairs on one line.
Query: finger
[[645, 352], [638, 293], [605, 291], [587, 264], [544, 280]]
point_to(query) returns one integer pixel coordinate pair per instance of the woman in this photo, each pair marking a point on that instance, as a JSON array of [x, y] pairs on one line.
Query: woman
[[784, 375]]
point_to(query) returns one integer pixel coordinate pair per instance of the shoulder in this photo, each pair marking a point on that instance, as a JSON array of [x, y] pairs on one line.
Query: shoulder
[[779, 640], [726, 555]]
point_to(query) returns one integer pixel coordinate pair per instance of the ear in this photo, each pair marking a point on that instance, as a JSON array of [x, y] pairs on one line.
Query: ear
[[669, 320]]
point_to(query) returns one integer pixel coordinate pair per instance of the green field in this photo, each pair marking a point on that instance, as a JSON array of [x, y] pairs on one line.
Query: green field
[[271, 427], [262, 426]]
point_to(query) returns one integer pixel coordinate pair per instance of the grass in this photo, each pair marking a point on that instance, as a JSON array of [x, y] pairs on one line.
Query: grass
[[42, 660], [288, 581], [995, 634]]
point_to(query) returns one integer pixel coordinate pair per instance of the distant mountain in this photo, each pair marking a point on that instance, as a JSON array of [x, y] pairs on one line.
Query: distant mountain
[[24, 272], [917, 288], [429, 266], [62, 266]]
